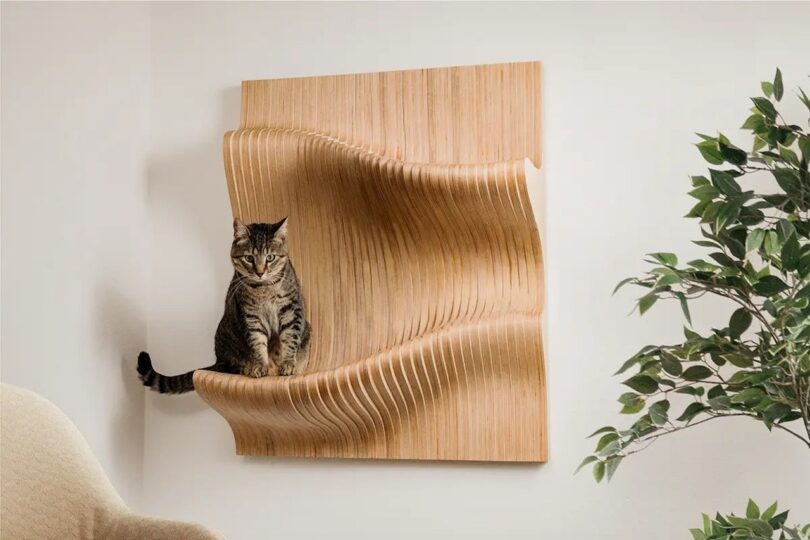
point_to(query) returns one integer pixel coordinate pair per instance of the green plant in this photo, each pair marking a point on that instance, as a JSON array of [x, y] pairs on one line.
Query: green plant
[[755, 364], [755, 525]]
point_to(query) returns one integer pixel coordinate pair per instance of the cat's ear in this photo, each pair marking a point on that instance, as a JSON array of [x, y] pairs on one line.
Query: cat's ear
[[281, 231], [240, 230]]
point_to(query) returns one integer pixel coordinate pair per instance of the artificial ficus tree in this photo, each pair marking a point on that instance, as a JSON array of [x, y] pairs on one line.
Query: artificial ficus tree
[[756, 363]]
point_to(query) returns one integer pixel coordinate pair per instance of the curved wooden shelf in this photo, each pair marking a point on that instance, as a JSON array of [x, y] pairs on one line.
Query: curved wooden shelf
[[422, 269]]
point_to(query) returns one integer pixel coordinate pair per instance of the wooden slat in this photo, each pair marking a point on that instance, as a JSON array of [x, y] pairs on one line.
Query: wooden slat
[[461, 115], [420, 259]]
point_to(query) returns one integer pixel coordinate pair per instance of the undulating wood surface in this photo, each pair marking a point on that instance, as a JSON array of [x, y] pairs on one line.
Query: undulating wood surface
[[411, 230]]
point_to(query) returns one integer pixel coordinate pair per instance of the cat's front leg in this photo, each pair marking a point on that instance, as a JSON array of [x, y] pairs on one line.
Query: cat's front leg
[[289, 342], [259, 363]]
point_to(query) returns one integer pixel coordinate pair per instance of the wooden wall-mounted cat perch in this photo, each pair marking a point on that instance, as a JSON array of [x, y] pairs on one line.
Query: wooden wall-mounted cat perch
[[419, 255]]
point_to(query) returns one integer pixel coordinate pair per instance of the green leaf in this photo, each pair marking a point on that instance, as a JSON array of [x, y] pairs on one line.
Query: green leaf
[[804, 266], [692, 411], [739, 322], [606, 439], [698, 181], [803, 97], [788, 180], [669, 259], [611, 465], [754, 122], [710, 152], [754, 240], [667, 276], [710, 211], [775, 412], [720, 403], [757, 526], [752, 510], [611, 448], [749, 396], [804, 146], [779, 519], [627, 364], [658, 412], [778, 88], [697, 210], [759, 144], [697, 534], [716, 391], [646, 302], [769, 512], [586, 461], [728, 214], [725, 183], [622, 283], [738, 360], [722, 259], [690, 390], [789, 155], [791, 251], [770, 286], [785, 229], [671, 364], [733, 155], [684, 306], [599, 471], [696, 373], [632, 403], [767, 88], [606, 429], [642, 383], [690, 334], [772, 244], [765, 107], [707, 523], [705, 193]]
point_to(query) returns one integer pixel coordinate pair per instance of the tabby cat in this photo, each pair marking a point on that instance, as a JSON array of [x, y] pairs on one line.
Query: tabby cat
[[263, 325]]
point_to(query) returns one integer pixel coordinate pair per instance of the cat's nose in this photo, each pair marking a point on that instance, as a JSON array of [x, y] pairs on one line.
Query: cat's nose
[[259, 273]]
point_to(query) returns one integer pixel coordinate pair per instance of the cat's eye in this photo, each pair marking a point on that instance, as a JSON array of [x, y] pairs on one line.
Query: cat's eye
[[271, 258], [248, 258]]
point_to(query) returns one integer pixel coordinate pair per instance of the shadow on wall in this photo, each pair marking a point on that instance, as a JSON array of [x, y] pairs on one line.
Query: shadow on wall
[[192, 188], [188, 189], [121, 328]]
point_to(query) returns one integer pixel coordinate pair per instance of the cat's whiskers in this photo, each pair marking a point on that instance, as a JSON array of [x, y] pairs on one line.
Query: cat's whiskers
[[237, 282]]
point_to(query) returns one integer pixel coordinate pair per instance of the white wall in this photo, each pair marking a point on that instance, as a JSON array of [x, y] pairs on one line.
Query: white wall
[[75, 81], [625, 86]]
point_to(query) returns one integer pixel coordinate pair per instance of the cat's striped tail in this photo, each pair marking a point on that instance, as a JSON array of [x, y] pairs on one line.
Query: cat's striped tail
[[166, 384]]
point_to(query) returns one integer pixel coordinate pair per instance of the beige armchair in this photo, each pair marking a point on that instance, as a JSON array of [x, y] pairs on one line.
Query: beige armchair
[[53, 488]]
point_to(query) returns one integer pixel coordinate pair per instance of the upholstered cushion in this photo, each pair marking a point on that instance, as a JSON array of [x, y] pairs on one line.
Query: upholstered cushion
[[53, 488]]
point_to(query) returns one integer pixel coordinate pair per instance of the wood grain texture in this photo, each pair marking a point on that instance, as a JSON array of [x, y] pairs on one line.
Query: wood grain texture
[[419, 255]]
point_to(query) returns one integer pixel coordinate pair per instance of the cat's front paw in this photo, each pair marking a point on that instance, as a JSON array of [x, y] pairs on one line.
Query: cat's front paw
[[255, 370], [285, 369]]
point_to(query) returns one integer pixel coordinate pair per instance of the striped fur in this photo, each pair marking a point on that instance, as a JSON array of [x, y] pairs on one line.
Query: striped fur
[[263, 329]]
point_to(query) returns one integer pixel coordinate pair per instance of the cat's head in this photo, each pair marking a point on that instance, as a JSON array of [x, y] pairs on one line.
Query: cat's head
[[259, 250]]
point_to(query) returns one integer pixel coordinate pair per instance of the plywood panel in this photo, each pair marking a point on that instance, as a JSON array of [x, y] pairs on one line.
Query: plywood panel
[[419, 255]]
